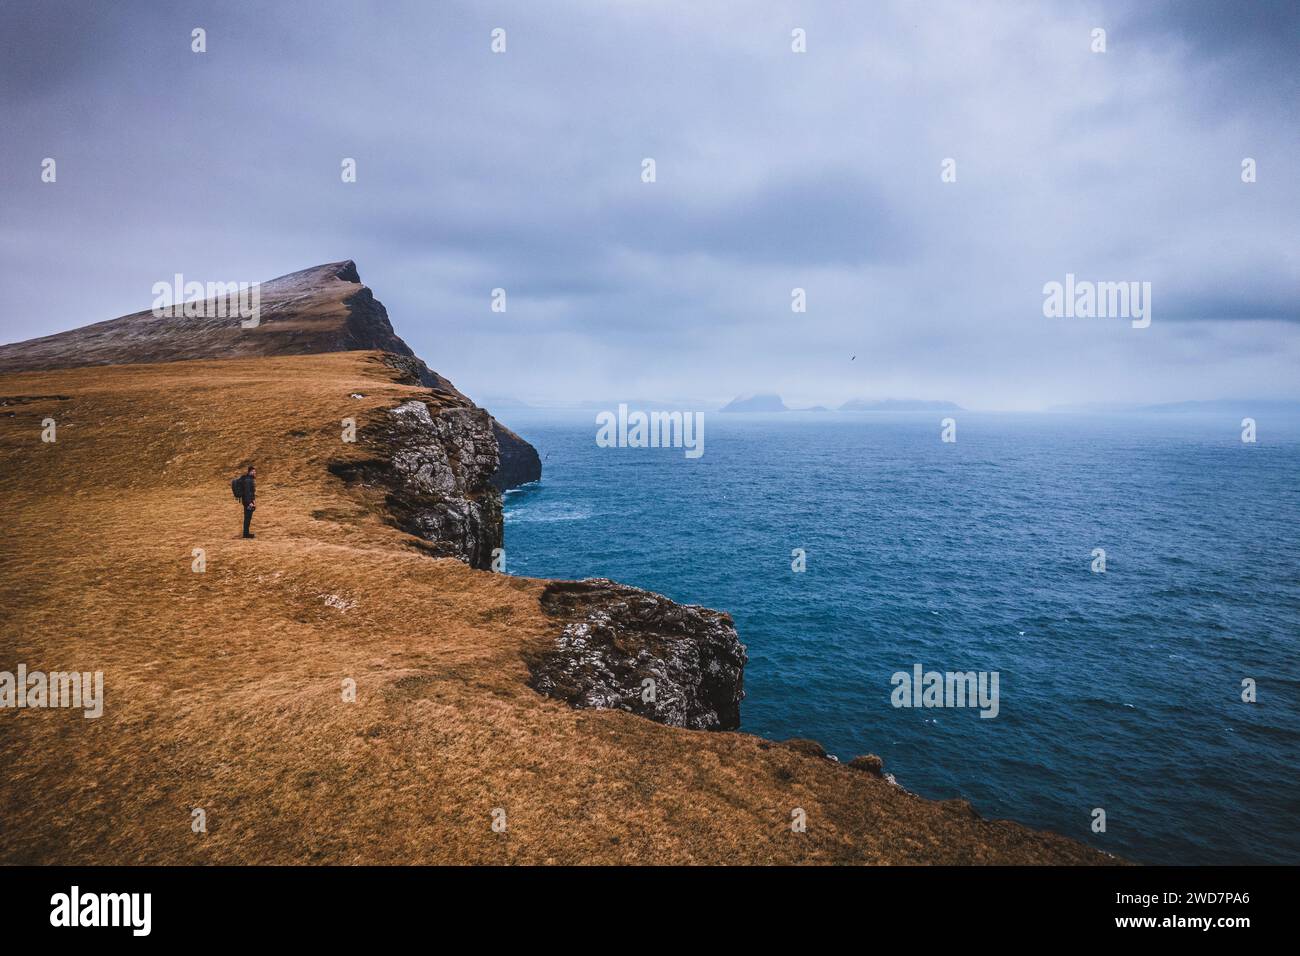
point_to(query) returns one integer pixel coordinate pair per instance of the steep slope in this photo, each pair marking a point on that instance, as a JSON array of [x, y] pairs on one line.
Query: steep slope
[[321, 309], [227, 662]]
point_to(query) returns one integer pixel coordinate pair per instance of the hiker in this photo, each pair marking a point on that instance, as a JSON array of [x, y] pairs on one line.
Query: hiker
[[245, 489]]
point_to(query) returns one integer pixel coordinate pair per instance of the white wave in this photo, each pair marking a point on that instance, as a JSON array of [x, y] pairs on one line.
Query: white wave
[[545, 514]]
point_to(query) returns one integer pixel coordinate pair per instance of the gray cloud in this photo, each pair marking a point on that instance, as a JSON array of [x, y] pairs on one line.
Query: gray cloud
[[775, 170]]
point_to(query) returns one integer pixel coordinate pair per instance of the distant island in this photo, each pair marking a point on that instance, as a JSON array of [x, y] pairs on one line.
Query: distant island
[[755, 403], [899, 405]]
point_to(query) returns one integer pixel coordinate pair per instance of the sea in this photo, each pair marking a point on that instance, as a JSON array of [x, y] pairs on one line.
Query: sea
[[1161, 687]]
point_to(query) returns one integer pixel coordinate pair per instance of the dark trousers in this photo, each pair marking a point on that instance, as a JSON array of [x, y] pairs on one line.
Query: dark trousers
[[248, 517]]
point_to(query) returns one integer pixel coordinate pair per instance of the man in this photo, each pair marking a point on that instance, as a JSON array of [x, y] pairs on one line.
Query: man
[[248, 495]]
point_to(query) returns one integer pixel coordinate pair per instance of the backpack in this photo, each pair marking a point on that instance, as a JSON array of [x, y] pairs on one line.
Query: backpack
[[237, 486]]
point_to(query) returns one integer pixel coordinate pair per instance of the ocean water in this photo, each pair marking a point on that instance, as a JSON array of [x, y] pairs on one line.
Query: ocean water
[[1119, 690]]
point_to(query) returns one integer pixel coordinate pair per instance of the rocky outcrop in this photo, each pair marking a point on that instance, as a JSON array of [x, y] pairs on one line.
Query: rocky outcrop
[[520, 462], [321, 309], [620, 647], [435, 460]]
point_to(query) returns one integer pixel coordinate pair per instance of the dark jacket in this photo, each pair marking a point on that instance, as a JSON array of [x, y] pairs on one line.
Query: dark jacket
[[247, 490]]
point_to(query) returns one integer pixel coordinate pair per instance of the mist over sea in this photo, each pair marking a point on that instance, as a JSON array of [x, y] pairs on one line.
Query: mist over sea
[[1119, 690]]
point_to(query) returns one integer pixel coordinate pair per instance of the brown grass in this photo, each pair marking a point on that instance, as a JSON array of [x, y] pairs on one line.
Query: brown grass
[[223, 688]]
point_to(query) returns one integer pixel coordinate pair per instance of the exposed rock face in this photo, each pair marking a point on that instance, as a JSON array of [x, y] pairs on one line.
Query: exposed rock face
[[435, 461], [613, 637], [520, 462], [444, 464], [321, 309]]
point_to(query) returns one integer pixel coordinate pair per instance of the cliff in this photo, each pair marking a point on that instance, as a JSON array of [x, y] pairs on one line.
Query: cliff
[[572, 707], [441, 464], [433, 458], [322, 309], [328, 693]]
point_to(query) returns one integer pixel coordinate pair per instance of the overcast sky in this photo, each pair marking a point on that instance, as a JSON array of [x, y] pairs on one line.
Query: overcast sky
[[775, 170]]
